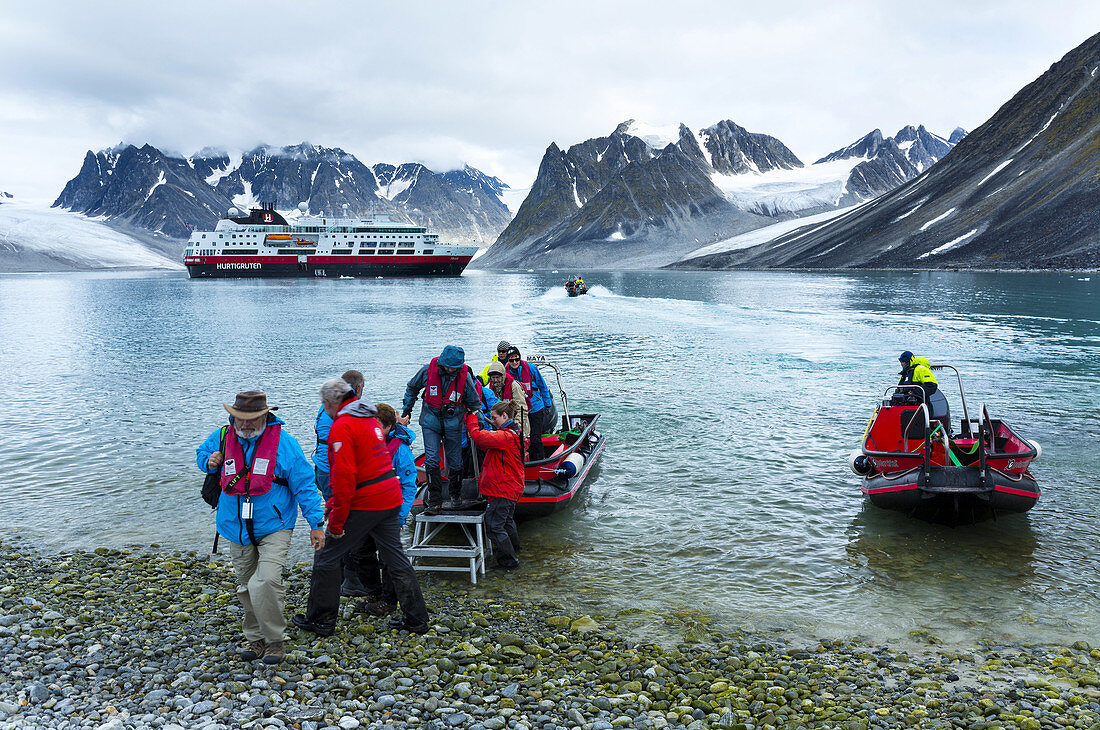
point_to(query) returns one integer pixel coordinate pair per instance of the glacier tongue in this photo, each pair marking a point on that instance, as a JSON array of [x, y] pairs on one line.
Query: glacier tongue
[[73, 239]]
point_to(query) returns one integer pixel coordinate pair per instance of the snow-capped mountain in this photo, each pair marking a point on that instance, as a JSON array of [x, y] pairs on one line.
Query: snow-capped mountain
[[5, 196], [645, 195], [1020, 191], [457, 195], [921, 147], [143, 187], [632, 198], [175, 195]]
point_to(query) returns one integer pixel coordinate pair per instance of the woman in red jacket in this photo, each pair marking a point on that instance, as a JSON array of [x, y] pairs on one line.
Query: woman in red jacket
[[501, 479]]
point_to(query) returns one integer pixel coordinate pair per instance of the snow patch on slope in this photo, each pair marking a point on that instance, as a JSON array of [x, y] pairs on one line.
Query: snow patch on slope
[[996, 169], [767, 233], [395, 188], [215, 177], [787, 191], [160, 181], [655, 136], [936, 220], [911, 211], [71, 237], [245, 200], [949, 245]]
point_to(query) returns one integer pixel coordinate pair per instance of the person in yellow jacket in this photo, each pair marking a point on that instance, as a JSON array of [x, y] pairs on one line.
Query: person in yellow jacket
[[502, 350], [918, 371]]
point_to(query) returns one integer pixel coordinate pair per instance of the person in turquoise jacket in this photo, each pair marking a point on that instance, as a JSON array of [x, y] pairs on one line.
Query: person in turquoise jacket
[[257, 526], [276, 510]]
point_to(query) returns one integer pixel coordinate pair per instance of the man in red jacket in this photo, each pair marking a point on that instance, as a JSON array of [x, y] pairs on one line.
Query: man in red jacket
[[501, 479], [366, 500]]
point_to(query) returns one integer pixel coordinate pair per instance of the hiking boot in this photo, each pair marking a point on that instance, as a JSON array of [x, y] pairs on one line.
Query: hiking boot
[[253, 651], [433, 508], [398, 623], [378, 607], [450, 506], [325, 629], [275, 653]]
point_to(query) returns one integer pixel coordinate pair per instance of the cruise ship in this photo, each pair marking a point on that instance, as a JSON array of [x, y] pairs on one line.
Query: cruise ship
[[264, 244]]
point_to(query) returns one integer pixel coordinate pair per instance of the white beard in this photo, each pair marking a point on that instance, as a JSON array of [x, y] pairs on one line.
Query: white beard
[[250, 432]]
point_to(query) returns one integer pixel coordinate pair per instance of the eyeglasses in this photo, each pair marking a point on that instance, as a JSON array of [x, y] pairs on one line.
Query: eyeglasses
[[513, 359]]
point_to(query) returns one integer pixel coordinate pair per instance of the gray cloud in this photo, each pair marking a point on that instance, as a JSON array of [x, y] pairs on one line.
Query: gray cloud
[[492, 83]]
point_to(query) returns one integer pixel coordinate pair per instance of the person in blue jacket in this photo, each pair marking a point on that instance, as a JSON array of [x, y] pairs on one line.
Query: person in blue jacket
[[543, 414], [382, 596], [449, 393], [351, 585], [265, 481]]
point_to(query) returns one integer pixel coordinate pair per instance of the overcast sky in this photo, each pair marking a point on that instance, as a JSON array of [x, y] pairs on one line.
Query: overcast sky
[[493, 83]]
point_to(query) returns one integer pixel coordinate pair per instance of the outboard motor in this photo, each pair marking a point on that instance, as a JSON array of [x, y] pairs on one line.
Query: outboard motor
[[860, 464]]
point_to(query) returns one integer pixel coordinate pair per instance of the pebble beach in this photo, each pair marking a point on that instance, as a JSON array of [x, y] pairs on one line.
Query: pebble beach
[[144, 638]]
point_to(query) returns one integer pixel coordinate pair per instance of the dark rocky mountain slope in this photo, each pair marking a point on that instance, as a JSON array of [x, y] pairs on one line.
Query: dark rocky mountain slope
[[622, 200], [1021, 191]]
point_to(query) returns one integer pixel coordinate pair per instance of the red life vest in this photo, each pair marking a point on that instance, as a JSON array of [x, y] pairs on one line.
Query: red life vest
[[262, 473], [505, 393], [524, 381], [433, 387]]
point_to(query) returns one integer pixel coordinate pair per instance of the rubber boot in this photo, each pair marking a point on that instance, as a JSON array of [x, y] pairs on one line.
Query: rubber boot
[[433, 499], [454, 490]]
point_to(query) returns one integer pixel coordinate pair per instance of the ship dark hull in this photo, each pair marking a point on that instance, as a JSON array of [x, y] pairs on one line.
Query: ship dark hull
[[395, 266]]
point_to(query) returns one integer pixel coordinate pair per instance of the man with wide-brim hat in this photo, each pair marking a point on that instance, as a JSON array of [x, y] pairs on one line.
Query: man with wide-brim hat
[[449, 393], [265, 480]]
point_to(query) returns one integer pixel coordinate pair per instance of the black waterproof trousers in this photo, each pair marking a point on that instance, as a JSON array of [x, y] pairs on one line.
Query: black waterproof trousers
[[500, 523], [383, 527]]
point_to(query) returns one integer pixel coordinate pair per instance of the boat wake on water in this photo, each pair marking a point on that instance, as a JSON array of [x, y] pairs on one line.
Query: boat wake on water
[[557, 294]]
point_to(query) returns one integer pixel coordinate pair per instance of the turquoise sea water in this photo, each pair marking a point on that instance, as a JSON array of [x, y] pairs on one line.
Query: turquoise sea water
[[730, 401]]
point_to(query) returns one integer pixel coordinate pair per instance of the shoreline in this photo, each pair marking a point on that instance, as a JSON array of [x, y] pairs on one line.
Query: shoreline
[[121, 638]]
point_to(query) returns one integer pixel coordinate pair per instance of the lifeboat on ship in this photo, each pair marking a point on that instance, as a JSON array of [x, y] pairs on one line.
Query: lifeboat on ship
[[550, 484], [911, 462]]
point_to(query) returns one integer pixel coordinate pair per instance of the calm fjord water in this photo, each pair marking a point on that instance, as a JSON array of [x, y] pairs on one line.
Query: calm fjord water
[[730, 401]]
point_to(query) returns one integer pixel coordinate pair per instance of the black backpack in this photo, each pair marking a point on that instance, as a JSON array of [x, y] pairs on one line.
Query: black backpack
[[211, 486]]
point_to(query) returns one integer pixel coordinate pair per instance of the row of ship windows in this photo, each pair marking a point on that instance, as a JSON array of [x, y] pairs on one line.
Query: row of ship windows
[[300, 252], [222, 236]]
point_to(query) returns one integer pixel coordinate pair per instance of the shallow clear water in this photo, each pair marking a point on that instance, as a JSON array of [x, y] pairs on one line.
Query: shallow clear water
[[730, 402]]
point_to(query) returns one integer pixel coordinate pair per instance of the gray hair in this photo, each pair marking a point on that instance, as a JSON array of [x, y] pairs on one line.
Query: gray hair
[[335, 391]]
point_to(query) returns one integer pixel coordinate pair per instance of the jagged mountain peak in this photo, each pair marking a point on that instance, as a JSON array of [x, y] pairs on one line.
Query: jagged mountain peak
[[175, 194], [866, 147], [956, 135], [733, 150]]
